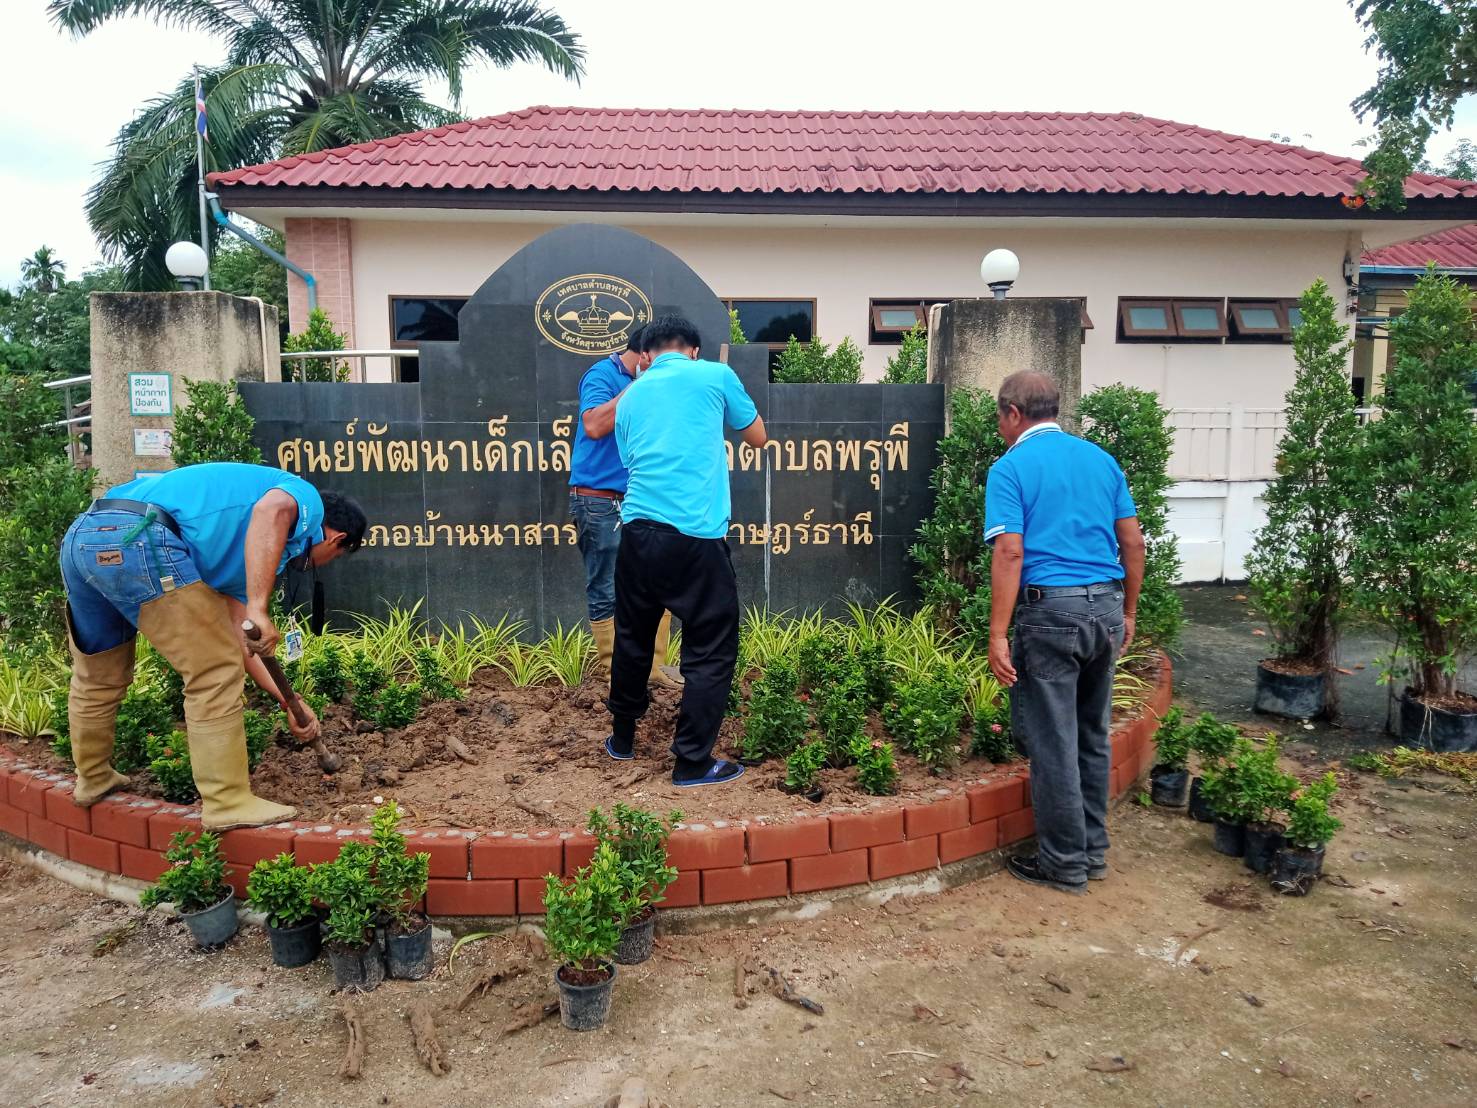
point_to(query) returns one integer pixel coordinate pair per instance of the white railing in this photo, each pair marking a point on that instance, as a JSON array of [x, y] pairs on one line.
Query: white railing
[[359, 371]]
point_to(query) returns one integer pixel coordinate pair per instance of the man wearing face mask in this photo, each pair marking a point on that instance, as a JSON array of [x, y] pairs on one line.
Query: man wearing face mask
[[186, 557]]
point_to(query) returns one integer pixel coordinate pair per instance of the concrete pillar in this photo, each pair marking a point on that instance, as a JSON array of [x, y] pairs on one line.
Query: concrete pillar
[[978, 343], [145, 346], [323, 247]]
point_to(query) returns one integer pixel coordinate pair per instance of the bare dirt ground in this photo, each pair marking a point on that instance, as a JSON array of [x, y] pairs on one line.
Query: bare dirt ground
[[1212, 990]]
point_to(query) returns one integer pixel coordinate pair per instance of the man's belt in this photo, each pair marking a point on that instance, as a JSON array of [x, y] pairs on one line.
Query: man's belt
[[603, 494], [138, 508], [1034, 593]]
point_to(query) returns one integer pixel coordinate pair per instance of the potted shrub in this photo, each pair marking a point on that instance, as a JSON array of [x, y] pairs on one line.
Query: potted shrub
[[1298, 565], [1309, 829], [401, 879], [1226, 793], [1211, 740], [639, 839], [195, 883], [1416, 536], [1169, 780], [803, 770], [1269, 792], [281, 891], [582, 925], [345, 886]]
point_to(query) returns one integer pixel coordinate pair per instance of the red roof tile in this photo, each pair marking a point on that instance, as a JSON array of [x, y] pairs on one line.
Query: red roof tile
[[681, 151], [1454, 249]]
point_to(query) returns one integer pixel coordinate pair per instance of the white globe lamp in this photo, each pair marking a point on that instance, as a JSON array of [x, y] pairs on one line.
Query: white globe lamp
[[188, 263], [999, 270]]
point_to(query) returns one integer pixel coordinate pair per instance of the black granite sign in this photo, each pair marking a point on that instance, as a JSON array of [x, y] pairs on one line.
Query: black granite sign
[[465, 474]]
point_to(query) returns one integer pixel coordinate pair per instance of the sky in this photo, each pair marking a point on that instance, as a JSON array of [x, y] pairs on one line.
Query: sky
[[1257, 68]]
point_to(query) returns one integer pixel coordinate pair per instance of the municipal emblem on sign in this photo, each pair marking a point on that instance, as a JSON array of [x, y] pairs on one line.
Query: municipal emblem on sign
[[592, 313]]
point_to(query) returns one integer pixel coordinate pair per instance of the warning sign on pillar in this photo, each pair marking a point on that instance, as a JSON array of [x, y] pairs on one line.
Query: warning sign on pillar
[[151, 442]]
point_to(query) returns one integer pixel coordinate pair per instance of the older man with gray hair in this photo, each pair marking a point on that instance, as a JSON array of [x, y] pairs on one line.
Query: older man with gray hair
[[1060, 518]]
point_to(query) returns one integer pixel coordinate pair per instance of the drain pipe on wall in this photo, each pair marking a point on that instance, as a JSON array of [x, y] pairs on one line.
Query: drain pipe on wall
[[225, 224]]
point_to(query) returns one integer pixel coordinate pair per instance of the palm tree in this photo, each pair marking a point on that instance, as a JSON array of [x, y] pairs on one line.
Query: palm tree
[[299, 76], [43, 270]]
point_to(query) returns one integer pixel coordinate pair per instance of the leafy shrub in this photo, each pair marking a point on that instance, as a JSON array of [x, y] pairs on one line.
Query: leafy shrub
[[871, 657], [1133, 426], [169, 762], [260, 730], [776, 721], [735, 329], [434, 683], [1416, 530], [1299, 561], [61, 725], [1246, 786], [281, 890], [909, 366], [393, 706], [327, 672], [1267, 789], [803, 766], [952, 559], [639, 839], [41, 504], [993, 738], [1172, 741], [1211, 739], [583, 917], [400, 876], [366, 676], [196, 877], [823, 658], [213, 426], [26, 407], [815, 363], [318, 335], [876, 769], [840, 713], [144, 712], [925, 716], [1310, 825], [346, 887]]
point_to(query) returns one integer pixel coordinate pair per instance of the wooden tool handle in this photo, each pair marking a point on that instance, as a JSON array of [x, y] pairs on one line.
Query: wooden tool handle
[[295, 704]]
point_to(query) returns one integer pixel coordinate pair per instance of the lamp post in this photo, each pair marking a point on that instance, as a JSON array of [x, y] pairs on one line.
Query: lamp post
[[999, 270], [188, 263]]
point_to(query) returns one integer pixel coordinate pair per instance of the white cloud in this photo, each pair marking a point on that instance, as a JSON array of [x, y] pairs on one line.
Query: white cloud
[[1253, 68]]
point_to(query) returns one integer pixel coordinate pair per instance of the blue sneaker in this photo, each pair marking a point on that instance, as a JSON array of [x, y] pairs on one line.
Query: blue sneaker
[[718, 773], [616, 754]]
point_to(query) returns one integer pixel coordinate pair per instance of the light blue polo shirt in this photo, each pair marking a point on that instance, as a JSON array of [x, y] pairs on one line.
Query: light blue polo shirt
[[596, 463], [669, 428], [212, 504], [1062, 495]]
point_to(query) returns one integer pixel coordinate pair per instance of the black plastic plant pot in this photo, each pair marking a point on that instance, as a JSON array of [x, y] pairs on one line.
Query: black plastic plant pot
[[1169, 788], [637, 939], [1290, 695], [751, 762], [360, 968], [1199, 809], [1230, 838], [214, 925], [585, 1007], [1263, 841], [1435, 728], [408, 956], [1296, 870], [295, 946]]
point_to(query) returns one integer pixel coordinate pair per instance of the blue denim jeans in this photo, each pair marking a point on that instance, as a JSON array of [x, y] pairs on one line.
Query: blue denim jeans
[[597, 521], [1064, 653], [112, 564]]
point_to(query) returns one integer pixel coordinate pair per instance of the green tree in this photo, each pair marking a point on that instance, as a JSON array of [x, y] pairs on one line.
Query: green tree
[[214, 426], [47, 330], [909, 366], [735, 329], [241, 269], [297, 77], [318, 335], [1416, 532], [1299, 562], [1133, 426], [1428, 62], [43, 270], [41, 505], [815, 363]]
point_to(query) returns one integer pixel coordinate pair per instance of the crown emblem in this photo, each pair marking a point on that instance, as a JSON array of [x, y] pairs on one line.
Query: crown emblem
[[594, 320]]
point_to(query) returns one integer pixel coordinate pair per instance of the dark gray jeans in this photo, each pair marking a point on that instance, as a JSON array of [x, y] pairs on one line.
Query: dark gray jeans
[[1064, 652]]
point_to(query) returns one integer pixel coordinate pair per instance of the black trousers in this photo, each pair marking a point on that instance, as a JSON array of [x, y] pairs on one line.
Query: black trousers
[[658, 568]]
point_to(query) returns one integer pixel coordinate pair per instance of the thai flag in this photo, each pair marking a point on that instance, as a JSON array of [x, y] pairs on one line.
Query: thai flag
[[200, 128]]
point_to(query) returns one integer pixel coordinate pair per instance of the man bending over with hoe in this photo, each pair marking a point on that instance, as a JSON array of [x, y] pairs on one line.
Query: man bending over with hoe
[[186, 557]]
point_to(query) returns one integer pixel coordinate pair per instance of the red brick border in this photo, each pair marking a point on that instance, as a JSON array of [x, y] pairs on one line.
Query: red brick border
[[498, 873]]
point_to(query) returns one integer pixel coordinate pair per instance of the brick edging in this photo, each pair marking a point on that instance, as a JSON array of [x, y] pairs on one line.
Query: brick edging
[[500, 873]]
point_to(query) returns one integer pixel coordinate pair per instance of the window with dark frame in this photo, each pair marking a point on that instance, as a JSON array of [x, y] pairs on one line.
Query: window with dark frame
[[889, 320], [1172, 319], [418, 319], [1258, 320], [772, 322]]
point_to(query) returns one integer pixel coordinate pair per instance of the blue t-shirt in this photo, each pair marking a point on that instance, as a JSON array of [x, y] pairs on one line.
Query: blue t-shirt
[[596, 463], [1062, 495], [212, 504], [669, 427]]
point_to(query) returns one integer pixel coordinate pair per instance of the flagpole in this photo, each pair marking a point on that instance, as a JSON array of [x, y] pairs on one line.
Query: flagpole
[[200, 176]]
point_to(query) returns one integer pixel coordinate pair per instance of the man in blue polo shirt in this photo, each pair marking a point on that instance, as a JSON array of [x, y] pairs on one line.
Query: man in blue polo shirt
[[674, 548], [1061, 520], [185, 557], [597, 484]]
